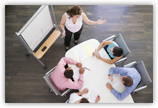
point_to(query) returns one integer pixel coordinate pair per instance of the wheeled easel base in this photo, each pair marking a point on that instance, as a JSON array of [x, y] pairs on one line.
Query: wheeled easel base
[[45, 67], [28, 54]]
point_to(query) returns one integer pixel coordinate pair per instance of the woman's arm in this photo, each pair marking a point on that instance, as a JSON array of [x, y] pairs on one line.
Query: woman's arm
[[62, 23], [97, 99], [90, 22], [82, 92], [108, 61], [103, 43]]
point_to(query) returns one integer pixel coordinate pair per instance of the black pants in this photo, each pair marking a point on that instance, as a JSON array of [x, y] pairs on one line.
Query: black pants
[[69, 35]]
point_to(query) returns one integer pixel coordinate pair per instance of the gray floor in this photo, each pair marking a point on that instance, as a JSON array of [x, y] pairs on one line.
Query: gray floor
[[23, 75]]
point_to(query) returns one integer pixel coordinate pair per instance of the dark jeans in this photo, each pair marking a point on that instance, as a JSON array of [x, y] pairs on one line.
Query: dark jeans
[[69, 35]]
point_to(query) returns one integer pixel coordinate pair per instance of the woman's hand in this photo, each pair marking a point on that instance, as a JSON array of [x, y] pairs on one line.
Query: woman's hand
[[85, 90], [97, 99], [90, 22], [98, 56], [94, 53], [100, 21], [63, 34]]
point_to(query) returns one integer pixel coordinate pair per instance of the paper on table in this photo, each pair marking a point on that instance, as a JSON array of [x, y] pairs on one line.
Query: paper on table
[[98, 61], [114, 83], [103, 55], [79, 53], [77, 74], [92, 94], [88, 49]]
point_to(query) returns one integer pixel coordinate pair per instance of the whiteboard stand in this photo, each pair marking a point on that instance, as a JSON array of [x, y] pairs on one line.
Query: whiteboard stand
[[39, 33]]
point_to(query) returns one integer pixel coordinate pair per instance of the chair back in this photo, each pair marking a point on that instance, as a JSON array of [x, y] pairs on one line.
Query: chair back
[[140, 67], [145, 78], [51, 85], [120, 41]]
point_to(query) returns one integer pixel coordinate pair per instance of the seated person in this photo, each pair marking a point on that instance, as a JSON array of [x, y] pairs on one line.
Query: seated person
[[112, 49], [76, 98], [61, 77], [129, 77]]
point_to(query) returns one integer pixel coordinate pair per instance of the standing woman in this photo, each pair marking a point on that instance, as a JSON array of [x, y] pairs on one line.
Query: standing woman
[[71, 22]]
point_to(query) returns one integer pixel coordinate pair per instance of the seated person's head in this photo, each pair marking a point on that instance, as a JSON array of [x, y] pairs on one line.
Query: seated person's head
[[84, 100], [127, 81], [117, 51], [68, 72]]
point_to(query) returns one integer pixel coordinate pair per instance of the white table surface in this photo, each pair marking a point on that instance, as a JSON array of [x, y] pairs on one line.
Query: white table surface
[[97, 75]]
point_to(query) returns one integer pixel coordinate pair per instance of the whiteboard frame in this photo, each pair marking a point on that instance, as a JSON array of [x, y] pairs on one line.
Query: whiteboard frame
[[27, 24], [30, 20]]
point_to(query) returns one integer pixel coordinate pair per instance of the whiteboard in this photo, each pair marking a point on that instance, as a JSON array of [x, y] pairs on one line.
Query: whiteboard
[[39, 27]]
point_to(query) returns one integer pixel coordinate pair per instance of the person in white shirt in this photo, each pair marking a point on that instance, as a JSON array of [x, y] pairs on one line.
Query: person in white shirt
[[76, 98], [71, 22]]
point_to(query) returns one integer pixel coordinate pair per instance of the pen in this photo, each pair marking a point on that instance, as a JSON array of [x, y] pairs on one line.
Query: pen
[[86, 68], [80, 59], [95, 52]]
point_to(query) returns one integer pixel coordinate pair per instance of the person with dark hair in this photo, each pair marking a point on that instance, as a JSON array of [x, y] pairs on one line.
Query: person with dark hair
[[68, 73], [129, 77], [62, 77], [71, 23], [113, 50], [77, 98]]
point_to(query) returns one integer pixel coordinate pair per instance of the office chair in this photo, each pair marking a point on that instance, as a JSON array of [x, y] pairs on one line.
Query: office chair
[[145, 78], [120, 41], [52, 86]]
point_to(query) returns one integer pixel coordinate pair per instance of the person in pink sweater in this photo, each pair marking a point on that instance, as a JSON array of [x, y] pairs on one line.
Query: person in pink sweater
[[61, 76]]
